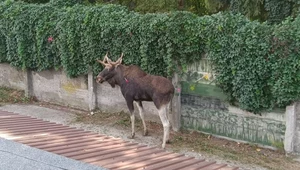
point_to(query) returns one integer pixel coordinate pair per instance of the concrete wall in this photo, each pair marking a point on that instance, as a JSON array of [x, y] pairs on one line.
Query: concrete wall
[[55, 87], [197, 105], [111, 99], [211, 115], [11, 77], [204, 108], [81, 92], [292, 133], [297, 130]]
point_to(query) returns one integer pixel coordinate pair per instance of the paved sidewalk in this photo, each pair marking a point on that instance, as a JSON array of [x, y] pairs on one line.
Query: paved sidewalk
[[16, 156]]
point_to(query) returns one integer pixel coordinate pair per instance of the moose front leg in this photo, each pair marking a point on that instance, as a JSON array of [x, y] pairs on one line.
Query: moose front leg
[[132, 118]]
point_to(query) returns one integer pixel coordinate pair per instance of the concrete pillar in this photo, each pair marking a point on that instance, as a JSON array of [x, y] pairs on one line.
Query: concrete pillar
[[175, 114], [28, 83], [292, 132], [92, 90]]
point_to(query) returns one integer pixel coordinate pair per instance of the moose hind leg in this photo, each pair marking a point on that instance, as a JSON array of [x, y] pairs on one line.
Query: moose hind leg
[[167, 112], [132, 118], [166, 124], [141, 111]]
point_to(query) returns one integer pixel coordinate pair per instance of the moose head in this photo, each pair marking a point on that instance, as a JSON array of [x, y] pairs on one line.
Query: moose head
[[109, 71]]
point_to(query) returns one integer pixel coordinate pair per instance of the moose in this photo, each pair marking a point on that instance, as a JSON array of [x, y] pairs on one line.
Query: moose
[[137, 86]]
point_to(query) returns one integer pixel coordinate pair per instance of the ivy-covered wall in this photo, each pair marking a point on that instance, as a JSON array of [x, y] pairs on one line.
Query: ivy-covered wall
[[257, 65], [204, 108]]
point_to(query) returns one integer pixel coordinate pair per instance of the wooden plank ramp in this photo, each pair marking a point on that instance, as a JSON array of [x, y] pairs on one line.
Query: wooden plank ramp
[[96, 149]]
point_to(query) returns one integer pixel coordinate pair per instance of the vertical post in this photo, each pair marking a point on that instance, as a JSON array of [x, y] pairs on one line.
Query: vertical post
[[28, 83], [92, 90], [176, 104], [290, 132]]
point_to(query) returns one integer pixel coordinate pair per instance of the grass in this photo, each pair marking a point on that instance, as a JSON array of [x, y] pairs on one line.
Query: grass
[[8, 95], [278, 145]]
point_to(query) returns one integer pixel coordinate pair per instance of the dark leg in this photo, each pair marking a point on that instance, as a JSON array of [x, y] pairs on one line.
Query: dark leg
[[131, 109]]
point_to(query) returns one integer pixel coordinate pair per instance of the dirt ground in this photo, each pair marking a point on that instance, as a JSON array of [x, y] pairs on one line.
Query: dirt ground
[[246, 156], [191, 143]]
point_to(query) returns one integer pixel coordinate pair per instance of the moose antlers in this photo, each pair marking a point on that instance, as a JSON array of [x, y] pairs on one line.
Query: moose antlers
[[109, 62]]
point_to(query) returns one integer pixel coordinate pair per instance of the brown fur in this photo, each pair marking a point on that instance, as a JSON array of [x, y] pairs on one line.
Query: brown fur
[[136, 85]]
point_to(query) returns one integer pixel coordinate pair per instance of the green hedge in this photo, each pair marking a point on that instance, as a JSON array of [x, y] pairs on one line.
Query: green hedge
[[82, 34], [257, 64]]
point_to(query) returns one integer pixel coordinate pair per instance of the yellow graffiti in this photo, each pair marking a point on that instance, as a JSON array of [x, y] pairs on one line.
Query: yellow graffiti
[[192, 87], [206, 76], [70, 87]]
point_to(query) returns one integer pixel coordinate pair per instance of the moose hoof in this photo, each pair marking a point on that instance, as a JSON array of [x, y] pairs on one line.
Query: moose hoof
[[163, 146], [168, 141], [145, 133], [132, 136]]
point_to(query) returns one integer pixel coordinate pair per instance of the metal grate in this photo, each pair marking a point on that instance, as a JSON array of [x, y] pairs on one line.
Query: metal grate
[[93, 148]]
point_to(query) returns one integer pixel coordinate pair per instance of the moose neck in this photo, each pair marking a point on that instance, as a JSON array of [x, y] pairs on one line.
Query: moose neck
[[119, 77]]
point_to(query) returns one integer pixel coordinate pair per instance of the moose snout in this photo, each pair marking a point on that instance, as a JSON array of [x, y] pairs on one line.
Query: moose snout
[[99, 79]]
